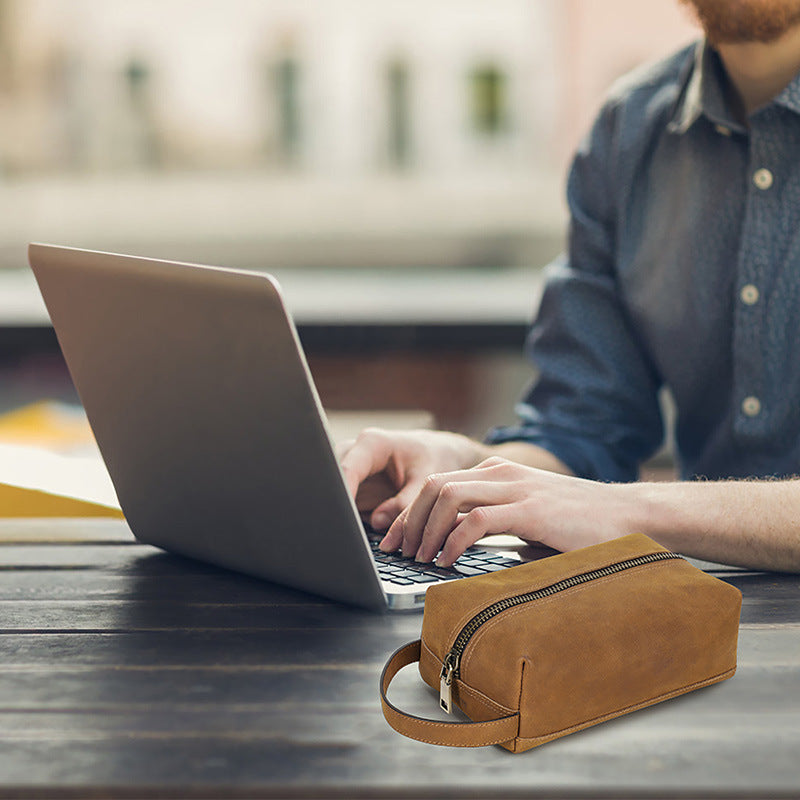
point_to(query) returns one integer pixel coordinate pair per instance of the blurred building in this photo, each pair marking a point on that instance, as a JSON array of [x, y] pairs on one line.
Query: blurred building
[[315, 132], [333, 86]]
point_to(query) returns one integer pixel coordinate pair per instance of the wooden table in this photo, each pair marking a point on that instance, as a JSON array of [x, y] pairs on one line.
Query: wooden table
[[127, 672]]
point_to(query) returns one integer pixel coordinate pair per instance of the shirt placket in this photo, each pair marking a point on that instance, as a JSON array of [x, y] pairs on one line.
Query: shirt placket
[[751, 399]]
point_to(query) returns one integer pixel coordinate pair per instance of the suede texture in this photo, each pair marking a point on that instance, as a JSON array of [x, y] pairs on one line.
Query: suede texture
[[588, 653]]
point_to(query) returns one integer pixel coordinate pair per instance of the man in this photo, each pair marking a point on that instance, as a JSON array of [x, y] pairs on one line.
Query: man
[[683, 270]]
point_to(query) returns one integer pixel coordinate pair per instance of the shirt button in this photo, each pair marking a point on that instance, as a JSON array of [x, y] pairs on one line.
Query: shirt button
[[749, 294], [762, 178], [751, 406]]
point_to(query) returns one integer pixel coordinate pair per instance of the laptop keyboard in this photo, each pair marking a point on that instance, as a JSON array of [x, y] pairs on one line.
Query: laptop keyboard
[[396, 568]]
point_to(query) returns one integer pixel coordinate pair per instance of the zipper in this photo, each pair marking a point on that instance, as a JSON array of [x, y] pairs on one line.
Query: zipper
[[452, 662]]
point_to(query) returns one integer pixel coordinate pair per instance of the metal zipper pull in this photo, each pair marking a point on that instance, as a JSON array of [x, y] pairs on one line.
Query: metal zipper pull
[[446, 682]]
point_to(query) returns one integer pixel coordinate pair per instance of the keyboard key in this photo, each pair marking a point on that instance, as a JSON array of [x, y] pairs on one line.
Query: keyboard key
[[403, 571], [497, 567], [465, 569], [406, 573], [417, 566]]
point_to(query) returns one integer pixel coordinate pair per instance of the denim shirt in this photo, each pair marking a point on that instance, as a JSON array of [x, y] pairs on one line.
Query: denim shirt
[[682, 271]]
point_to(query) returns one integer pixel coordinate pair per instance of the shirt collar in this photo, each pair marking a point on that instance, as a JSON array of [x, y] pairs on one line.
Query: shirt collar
[[704, 93], [790, 96]]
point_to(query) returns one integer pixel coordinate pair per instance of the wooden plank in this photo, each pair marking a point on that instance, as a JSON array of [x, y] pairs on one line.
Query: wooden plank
[[211, 615], [574, 767], [95, 690], [218, 612], [295, 717], [333, 645], [92, 589], [768, 672], [166, 586], [370, 642], [74, 556], [689, 746]]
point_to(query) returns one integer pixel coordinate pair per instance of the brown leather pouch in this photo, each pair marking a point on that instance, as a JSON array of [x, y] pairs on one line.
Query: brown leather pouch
[[538, 651]]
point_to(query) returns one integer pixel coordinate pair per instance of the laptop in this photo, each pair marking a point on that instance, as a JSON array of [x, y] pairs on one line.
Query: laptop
[[200, 399]]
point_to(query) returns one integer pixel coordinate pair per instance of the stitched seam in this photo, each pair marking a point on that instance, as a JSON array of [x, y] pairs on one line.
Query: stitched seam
[[544, 601], [429, 723], [521, 681], [462, 744], [430, 652], [525, 663], [453, 726], [486, 701], [643, 704]]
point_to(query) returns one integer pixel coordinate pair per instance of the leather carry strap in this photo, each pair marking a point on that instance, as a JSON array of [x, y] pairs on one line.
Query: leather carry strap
[[453, 734]]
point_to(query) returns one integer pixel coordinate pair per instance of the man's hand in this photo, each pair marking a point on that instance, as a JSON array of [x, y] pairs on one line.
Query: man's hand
[[455, 509], [384, 470], [746, 523], [426, 485]]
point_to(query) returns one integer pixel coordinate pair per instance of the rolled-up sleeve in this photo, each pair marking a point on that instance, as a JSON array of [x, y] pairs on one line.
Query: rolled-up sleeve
[[594, 403]]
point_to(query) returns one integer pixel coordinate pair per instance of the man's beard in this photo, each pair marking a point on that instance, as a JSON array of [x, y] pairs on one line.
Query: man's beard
[[737, 21]]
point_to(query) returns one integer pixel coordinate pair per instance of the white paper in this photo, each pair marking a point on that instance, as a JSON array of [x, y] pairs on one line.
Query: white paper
[[80, 477]]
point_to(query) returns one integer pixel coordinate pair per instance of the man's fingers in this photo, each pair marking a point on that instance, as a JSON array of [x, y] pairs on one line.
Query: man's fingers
[[476, 524], [492, 476], [394, 536], [343, 447], [368, 455], [374, 491], [455, 509], [419, 511], [388, 511], [454, 499]]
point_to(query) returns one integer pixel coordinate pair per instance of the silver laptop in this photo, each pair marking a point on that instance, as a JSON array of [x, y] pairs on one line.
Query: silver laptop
[[202, 404]]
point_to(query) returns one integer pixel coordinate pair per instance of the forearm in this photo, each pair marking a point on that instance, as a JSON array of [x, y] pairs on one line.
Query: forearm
[[747, 523]]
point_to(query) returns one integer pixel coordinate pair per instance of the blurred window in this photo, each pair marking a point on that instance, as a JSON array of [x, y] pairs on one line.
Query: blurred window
[[488, 100], [287, 95], [398, 87], [142, 124]]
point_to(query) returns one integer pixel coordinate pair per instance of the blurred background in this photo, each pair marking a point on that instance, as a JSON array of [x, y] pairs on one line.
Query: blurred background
[[399, 164]]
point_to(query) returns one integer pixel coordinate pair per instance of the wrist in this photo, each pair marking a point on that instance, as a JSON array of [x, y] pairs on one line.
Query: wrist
[[750, 524], [657, 510]]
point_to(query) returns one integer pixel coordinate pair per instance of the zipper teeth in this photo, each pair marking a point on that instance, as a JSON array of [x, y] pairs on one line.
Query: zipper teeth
[[472, 626]]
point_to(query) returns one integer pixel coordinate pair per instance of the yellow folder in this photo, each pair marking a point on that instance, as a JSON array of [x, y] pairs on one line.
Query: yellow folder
[[50, 466]]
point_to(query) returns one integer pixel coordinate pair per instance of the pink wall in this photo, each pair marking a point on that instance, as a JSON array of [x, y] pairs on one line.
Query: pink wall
[[603, 39]]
